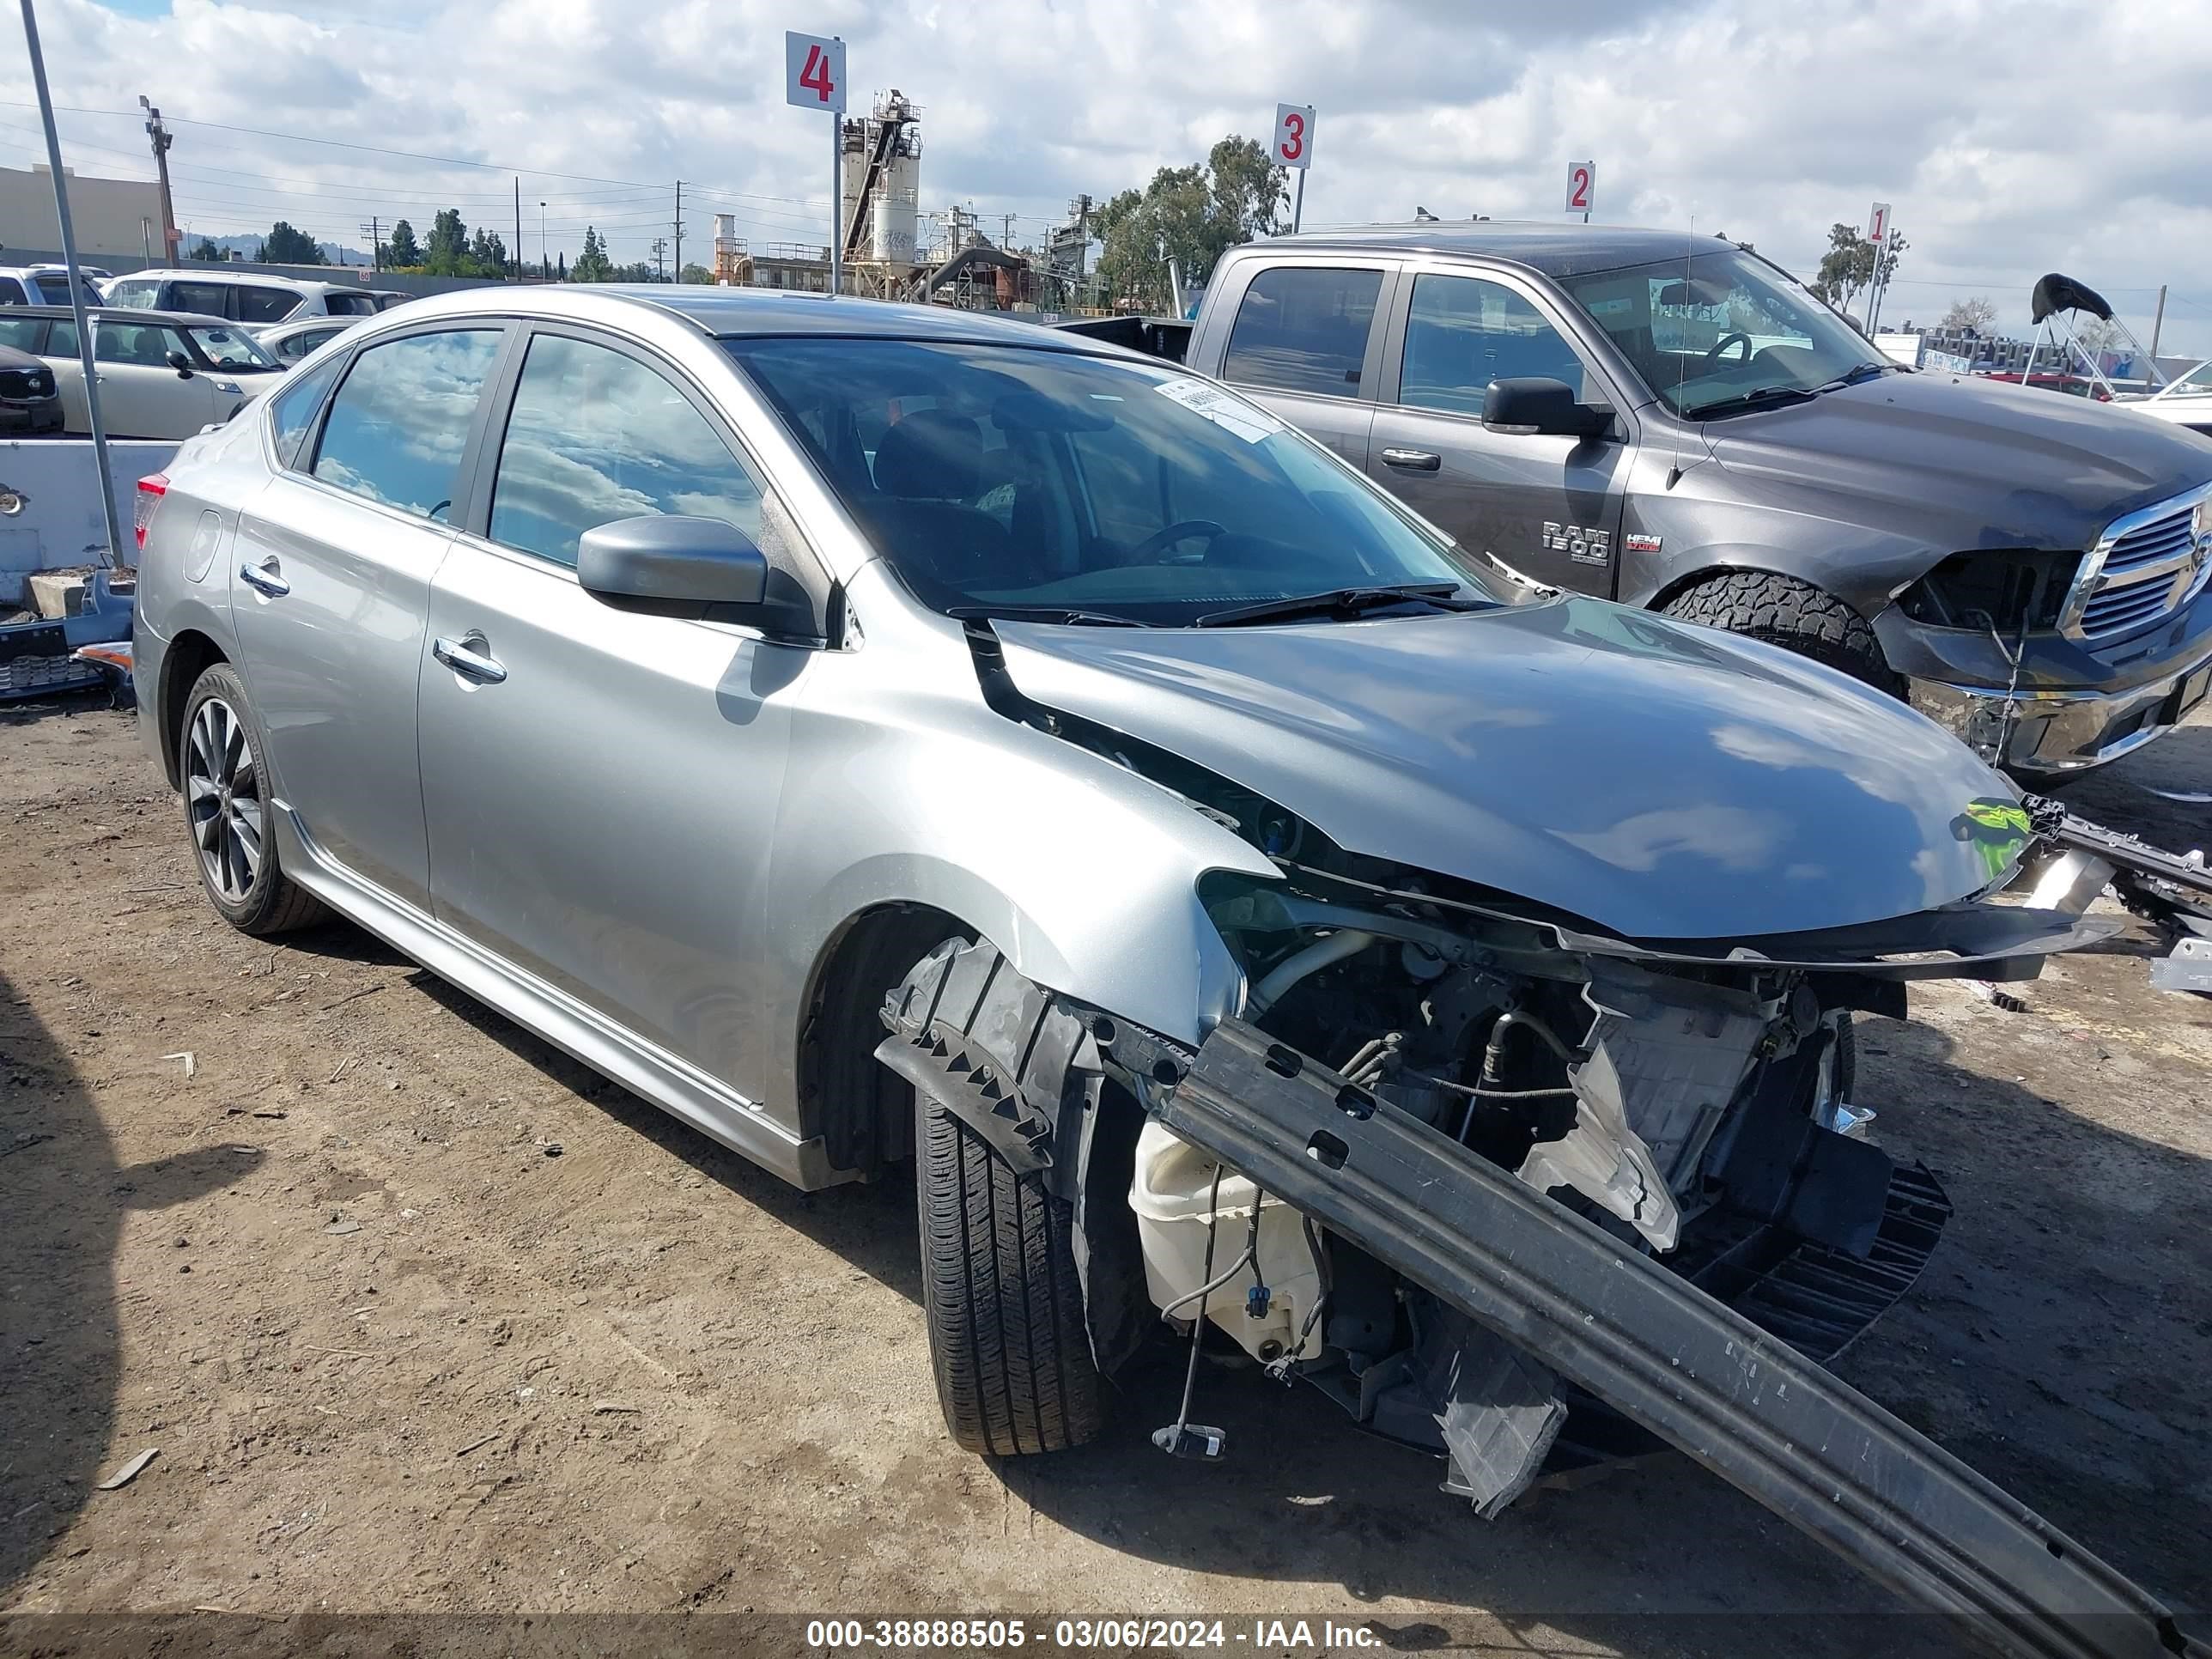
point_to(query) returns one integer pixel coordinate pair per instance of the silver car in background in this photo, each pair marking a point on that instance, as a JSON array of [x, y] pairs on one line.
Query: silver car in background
[[877, 732]]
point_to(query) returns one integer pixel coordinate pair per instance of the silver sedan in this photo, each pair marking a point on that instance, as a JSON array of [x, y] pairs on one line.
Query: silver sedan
[[875, 732]]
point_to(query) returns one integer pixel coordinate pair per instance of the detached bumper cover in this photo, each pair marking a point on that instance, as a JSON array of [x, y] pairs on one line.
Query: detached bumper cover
[[1739, 1401]]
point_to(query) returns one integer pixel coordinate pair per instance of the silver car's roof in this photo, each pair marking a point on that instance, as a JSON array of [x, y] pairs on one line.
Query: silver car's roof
[[731, 312]]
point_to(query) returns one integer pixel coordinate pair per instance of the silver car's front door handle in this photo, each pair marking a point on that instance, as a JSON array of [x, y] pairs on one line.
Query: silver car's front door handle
[[469, 655], [263, 579]]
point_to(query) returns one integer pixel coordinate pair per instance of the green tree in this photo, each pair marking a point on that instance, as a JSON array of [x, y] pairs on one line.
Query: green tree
[[1850, 266], [206, 249], [593, 265], [1191, 216], [284, 246], [694, 273], [446, 252], [401, 251], [488, 254]]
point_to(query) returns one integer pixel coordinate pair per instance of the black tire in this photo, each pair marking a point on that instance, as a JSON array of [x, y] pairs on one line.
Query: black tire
[[266, 902], [1792, 614], [1000, 1294]]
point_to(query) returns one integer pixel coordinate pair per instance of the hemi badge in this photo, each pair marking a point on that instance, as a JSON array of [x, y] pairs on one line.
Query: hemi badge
[[1636, 542]]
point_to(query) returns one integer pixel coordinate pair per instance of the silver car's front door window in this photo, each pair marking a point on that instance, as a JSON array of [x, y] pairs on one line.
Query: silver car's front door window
[[601, 786], [329, 584]]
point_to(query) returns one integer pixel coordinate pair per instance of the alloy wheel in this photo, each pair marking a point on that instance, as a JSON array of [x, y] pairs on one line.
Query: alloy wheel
[[222, 799]]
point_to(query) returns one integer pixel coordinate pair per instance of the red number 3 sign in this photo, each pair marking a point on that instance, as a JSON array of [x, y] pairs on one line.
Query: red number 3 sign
[[1581, 186], [1294, 135]]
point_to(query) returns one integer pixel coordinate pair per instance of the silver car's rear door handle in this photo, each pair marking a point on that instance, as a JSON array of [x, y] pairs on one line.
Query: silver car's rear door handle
[[262, 577], [1413, 461], [471, 655]]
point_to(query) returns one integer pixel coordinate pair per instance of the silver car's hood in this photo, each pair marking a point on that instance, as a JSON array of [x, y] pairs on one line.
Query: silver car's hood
[[1661, 780]]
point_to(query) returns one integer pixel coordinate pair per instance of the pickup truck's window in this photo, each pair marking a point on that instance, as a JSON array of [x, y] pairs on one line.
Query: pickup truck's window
[[1463, 332], [1013, 478], [596, 437], [398, 424], [1723, 333], [264, 305], [292, 412], [1303, 329], [141, 294]]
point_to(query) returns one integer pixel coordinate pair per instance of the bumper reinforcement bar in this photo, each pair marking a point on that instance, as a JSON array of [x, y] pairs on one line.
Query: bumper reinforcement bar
[[1737, 1399]]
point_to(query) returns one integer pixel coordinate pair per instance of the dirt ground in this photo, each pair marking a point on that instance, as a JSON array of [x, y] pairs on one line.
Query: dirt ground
[[426, 1319]]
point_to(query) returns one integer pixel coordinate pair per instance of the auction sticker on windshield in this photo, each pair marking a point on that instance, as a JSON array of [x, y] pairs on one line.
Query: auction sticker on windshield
[[1241, 419]]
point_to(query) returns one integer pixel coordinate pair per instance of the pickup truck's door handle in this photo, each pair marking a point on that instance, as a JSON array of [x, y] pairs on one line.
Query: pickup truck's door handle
[[469, 655], [264, 578], [1413, 461]]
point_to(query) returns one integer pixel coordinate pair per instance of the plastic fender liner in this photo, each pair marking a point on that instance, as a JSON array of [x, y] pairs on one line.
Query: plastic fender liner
[[1740, 1401], [1023, 1069]]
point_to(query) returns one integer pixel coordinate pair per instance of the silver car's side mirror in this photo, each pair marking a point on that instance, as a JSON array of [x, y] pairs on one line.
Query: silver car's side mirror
[[182, 364], [671, 565]]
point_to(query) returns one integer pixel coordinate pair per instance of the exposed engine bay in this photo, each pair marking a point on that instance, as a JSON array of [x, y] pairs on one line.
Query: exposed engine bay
[[1701, 1118]]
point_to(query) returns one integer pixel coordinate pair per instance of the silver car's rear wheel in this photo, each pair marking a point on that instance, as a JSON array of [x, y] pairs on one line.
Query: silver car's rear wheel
[[220, 766], [222, 799]]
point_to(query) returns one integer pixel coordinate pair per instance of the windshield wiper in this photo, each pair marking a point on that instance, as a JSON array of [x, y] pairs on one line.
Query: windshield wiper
[[1061, 613], [1857, 372], [1344, 603], [1765, 396]]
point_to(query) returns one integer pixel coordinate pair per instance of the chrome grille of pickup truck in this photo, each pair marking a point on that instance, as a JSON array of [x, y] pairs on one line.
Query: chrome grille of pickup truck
[[2138, 577]]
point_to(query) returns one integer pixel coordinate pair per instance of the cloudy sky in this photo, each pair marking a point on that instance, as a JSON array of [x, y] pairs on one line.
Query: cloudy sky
[[2014, 137]]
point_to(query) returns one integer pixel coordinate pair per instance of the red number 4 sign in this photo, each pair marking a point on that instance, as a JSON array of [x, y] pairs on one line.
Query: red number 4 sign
[[814, 72]]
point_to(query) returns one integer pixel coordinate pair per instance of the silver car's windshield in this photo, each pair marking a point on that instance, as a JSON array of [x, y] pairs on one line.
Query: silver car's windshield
[[231, 348], [1004, 478], [1722, 332]]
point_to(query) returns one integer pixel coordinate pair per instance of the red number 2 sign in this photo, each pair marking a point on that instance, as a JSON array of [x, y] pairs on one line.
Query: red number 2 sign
[[1294, 125], [1582, 186]]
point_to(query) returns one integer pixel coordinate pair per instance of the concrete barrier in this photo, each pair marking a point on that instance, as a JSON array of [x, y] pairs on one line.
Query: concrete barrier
[[58, 523]]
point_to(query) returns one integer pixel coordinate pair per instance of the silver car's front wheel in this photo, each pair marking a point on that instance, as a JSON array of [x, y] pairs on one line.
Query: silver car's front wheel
[[220, 768], [222, 799]]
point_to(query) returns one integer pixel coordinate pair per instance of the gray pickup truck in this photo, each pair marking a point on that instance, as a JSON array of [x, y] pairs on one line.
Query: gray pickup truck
[[1674, 422]]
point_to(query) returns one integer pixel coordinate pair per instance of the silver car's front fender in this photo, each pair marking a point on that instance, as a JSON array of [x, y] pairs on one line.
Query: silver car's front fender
[[905, 788]]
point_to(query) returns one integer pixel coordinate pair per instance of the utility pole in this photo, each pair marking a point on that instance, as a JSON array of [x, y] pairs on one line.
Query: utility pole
[[518, 228], [1006, 230], [100, 459], [660, 257], [162, 140], [2157, 326], [544, 264], [375, 228], [680, 227]]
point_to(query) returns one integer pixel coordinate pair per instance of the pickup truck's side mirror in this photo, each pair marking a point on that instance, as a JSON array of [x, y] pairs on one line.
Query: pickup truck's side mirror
[[1532, 406], [181, 364], [670, 565]]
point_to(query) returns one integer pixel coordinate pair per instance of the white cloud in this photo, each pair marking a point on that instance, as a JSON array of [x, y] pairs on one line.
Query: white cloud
[[2013, 135]]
